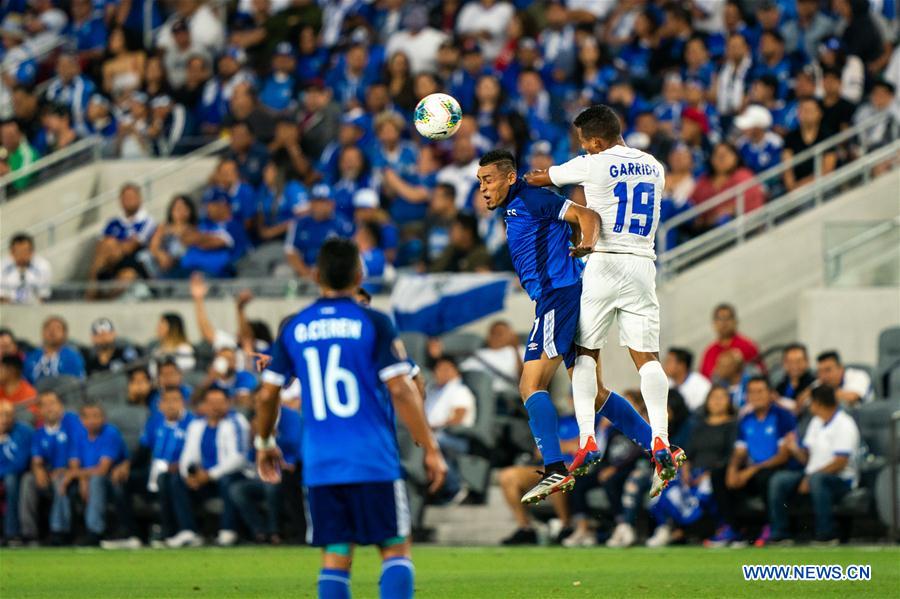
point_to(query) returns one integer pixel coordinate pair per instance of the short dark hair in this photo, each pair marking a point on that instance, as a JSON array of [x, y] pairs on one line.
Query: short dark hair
[[829, 355], [168, 361], [600, 121], [683, 355], [134, 370], [21, 238], [759, 378], [170, 389], [129, 185], [468, 223], [91, 403], [361, 291], [448, 188], [12, 361], [504, 160], [445, 358], [824, 396], [338, 263], [725, 306], [795, 346]]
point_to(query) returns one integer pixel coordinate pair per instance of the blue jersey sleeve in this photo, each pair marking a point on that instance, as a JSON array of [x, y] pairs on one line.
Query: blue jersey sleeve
[[543, 203], [390, 355], [786, 423]]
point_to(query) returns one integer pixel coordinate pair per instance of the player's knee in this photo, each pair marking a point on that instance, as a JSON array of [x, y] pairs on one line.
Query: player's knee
[[401, 549], [337, 558], [528, 387], [506, 477]]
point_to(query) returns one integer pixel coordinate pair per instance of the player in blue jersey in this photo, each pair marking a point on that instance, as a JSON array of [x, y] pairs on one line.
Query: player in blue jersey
[[354, 374], [539, 225]]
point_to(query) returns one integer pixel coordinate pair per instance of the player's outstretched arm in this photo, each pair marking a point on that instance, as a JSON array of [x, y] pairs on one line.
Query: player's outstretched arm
[[538, 178], [412, 414], [588, 222]]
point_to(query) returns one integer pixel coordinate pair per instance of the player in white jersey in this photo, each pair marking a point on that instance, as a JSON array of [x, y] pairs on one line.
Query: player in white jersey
[[624, 186]]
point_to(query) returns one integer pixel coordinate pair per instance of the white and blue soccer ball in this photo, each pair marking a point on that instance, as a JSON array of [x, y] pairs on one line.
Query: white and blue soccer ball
[[438, 116]]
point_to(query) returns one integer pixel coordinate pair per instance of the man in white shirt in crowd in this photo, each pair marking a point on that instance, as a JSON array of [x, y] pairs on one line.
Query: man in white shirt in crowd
[[692, 385], [448, 402], [852, 386], [24, 277], [486, 20], [500, 358], [417, 40], [828, 452]]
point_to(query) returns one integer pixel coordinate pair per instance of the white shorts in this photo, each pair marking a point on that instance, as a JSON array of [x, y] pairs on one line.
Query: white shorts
[[619, 287]]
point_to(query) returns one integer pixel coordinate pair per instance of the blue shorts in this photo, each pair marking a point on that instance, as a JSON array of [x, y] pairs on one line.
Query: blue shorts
[[555, 325], [358, 513]]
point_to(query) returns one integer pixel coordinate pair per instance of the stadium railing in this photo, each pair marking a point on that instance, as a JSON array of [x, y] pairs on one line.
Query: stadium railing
[[868, 245], [672, 260], [45, 231], [81, 153]]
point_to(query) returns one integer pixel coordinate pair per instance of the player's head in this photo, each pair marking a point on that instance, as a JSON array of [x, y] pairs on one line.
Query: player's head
[[339, 266], [496, 173], [599, 128]]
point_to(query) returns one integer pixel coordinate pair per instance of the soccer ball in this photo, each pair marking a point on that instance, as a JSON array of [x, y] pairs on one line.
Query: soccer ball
[[438, 116]]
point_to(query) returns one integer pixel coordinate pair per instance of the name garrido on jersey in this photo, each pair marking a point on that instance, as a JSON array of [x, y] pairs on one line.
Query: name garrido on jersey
[[633, 169], [328, 328]]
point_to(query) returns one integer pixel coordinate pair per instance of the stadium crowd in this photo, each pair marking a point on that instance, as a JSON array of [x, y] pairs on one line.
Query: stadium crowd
[[156, 431], [316, 99]]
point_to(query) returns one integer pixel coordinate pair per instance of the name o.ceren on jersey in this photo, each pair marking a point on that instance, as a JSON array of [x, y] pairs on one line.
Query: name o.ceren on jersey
[[328, 328], [627, 169]]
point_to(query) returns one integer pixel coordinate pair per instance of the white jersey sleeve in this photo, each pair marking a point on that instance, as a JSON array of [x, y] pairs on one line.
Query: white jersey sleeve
[[624, 186]]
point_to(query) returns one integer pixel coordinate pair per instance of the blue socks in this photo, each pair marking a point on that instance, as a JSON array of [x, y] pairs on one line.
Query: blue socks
[[624, 417], [397, 574], [334, 584], [544, 423]]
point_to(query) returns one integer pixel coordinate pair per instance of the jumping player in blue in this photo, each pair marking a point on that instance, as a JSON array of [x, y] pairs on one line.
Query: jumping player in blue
[[539, 227], [354, 375]]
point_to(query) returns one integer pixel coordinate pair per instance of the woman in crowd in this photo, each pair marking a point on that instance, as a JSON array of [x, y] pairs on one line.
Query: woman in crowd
[[725, 171], [689, 497], [172, 342], [165, 245], [123, 69], [400, 82]]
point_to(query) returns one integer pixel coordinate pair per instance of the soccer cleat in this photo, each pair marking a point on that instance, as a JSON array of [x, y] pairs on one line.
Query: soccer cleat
[[673, 457], [550, 483], [586, 458]]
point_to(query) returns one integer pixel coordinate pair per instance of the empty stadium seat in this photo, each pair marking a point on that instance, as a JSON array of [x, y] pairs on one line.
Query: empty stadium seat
[[460, 345], [874, 420], [69, 388], [130, 420], [888, 361], [108, 387], [475, 469], [415, 346]]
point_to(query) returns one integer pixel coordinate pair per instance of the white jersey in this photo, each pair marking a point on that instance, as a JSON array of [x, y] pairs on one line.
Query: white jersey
[[624, 186]]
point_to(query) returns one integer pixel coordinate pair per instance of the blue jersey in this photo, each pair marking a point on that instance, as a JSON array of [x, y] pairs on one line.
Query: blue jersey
[[306, 235], [141, 227], [57, 445], [538, 239], [290, 435], [15, 450], [342, 353], [168, 438], [217, 262], [278, 92], [765, 154], [107, 444], [762, 438], [68, 361]]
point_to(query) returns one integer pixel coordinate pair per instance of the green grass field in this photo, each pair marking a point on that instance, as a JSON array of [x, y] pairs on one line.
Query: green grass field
[[441, 572]]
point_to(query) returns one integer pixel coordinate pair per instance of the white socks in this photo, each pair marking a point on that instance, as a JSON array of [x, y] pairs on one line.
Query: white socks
[[584, 392], [655, 389]]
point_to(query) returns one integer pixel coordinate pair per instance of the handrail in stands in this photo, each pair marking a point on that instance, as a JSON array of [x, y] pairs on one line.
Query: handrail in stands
[[92, 144]]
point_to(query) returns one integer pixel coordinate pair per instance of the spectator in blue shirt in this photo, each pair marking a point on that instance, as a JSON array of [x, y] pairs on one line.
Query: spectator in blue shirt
[[55, 357], [759, 452], [104, 469], [250, 155], [71, 89], [463, 81], [213, 458], [350, 79], [307, 234], [54, 466], [697, 65], [217, 243], [350, 133], [15, 455], [312, 57], [88, 31], [392, 151], [248, 493], [278, 91], [411, 193], [773, 62], [119, 253], [368, 237], [168, 374], [166, 443], [239, 385], [353, 176], [241, 195], [759, 146], [278, 203]]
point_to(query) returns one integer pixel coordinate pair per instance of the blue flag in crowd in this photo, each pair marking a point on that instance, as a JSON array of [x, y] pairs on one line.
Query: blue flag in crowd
[[438, 303]]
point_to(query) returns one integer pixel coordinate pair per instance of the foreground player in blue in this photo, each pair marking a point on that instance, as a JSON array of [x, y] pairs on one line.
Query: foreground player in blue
[[354, 375], [539, 226]]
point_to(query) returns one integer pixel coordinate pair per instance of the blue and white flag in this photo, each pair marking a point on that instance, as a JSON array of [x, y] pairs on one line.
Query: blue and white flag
[[438, 303]]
